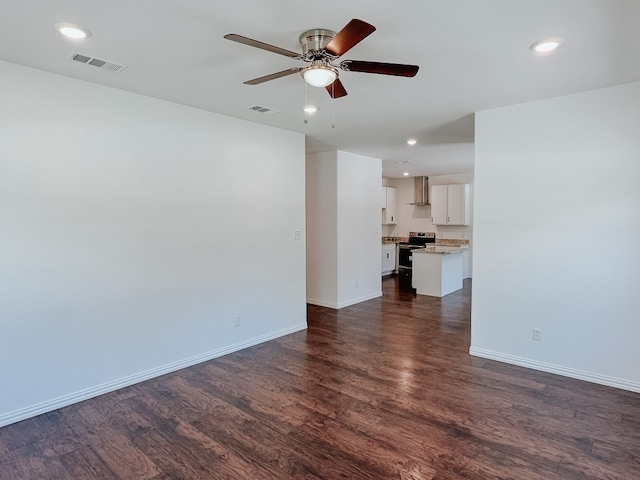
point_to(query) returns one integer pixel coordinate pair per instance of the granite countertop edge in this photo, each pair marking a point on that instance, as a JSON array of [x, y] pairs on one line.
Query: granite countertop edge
[[439, 250], [463, 244]]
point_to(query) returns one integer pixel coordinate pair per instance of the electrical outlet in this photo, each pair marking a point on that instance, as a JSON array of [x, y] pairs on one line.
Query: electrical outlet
[[357, 284], [297, 234], [537, 334], [238, 321]]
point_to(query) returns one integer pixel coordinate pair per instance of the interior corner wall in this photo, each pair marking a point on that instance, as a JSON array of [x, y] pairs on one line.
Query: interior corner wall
[[322, 228], [557, 222], [343, 226], [359, 245], [135, 234]]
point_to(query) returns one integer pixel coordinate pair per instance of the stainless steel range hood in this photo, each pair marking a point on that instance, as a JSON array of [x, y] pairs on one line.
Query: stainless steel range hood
[[420, 191]]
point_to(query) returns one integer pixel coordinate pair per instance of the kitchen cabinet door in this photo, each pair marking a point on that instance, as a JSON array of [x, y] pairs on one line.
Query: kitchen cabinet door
[[450, 204], [389, 213], [388, 258], [458, 204], [439, 204]]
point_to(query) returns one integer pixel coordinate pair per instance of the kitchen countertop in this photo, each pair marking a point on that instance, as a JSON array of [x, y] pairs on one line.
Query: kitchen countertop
[[388, 240], [441, 249], [440, 242], [453, 242]]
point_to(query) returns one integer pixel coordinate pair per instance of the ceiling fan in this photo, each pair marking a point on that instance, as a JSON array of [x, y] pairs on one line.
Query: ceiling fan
[[321, 48]]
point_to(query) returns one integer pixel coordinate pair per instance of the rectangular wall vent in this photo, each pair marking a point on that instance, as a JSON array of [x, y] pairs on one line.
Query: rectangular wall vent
[[97, 62], [261, 109]]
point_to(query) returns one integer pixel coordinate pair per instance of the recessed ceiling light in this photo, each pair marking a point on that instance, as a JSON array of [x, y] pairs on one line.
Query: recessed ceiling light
[[310, 108], [73, 31], [405, 174], [412, 141], [546, 45]]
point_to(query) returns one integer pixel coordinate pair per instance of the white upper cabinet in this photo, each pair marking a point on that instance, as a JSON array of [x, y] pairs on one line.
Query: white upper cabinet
[[450, 204], [439, 204], [389, 209], [458, 204]]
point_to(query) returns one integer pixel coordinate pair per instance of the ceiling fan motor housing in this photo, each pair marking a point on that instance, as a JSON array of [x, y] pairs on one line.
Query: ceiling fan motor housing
[[313, 43]]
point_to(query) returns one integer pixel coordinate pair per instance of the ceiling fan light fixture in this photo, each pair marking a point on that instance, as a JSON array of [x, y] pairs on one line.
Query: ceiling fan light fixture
[[320, 75]]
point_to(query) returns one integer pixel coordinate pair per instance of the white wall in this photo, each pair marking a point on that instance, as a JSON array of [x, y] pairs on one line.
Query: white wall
[[322, 228], [134, 231], [557, 222], [359, 247], [343, 224]]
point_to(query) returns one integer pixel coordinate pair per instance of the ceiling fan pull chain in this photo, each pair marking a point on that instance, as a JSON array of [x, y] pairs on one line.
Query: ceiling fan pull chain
[[306, 102], [333, 116]]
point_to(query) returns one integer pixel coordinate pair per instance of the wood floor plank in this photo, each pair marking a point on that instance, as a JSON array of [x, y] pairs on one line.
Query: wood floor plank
[[83, 462], [384, 389], [30, 462], [119, 454], [242, 442]]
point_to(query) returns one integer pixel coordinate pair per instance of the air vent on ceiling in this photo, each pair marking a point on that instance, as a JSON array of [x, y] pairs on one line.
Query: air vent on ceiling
[[97, 62], [261, 109]]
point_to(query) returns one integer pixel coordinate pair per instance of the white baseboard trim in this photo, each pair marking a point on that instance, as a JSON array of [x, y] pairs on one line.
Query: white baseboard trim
[[321, 303], [621, 383], [50, 405], [348, 303]]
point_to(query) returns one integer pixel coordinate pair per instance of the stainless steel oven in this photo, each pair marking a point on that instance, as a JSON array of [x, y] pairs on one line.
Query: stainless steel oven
[[405, 259]]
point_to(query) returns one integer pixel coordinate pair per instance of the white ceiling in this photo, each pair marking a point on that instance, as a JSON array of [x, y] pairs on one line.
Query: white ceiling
[[473, 55]]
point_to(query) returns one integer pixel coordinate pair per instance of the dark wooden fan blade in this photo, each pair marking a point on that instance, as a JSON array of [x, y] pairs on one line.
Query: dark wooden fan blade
[[273, 76], [264, 46], [353, 33], [336, 89], [397, 69]]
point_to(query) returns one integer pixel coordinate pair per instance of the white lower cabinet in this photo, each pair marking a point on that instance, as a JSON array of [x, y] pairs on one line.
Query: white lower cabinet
[[388, 258]]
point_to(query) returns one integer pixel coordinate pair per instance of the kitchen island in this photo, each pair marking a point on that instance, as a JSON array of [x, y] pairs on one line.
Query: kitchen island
[[437, 270]]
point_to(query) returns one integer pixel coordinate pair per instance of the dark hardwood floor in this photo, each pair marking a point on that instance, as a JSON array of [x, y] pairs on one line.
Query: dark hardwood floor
[[384, 389]]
